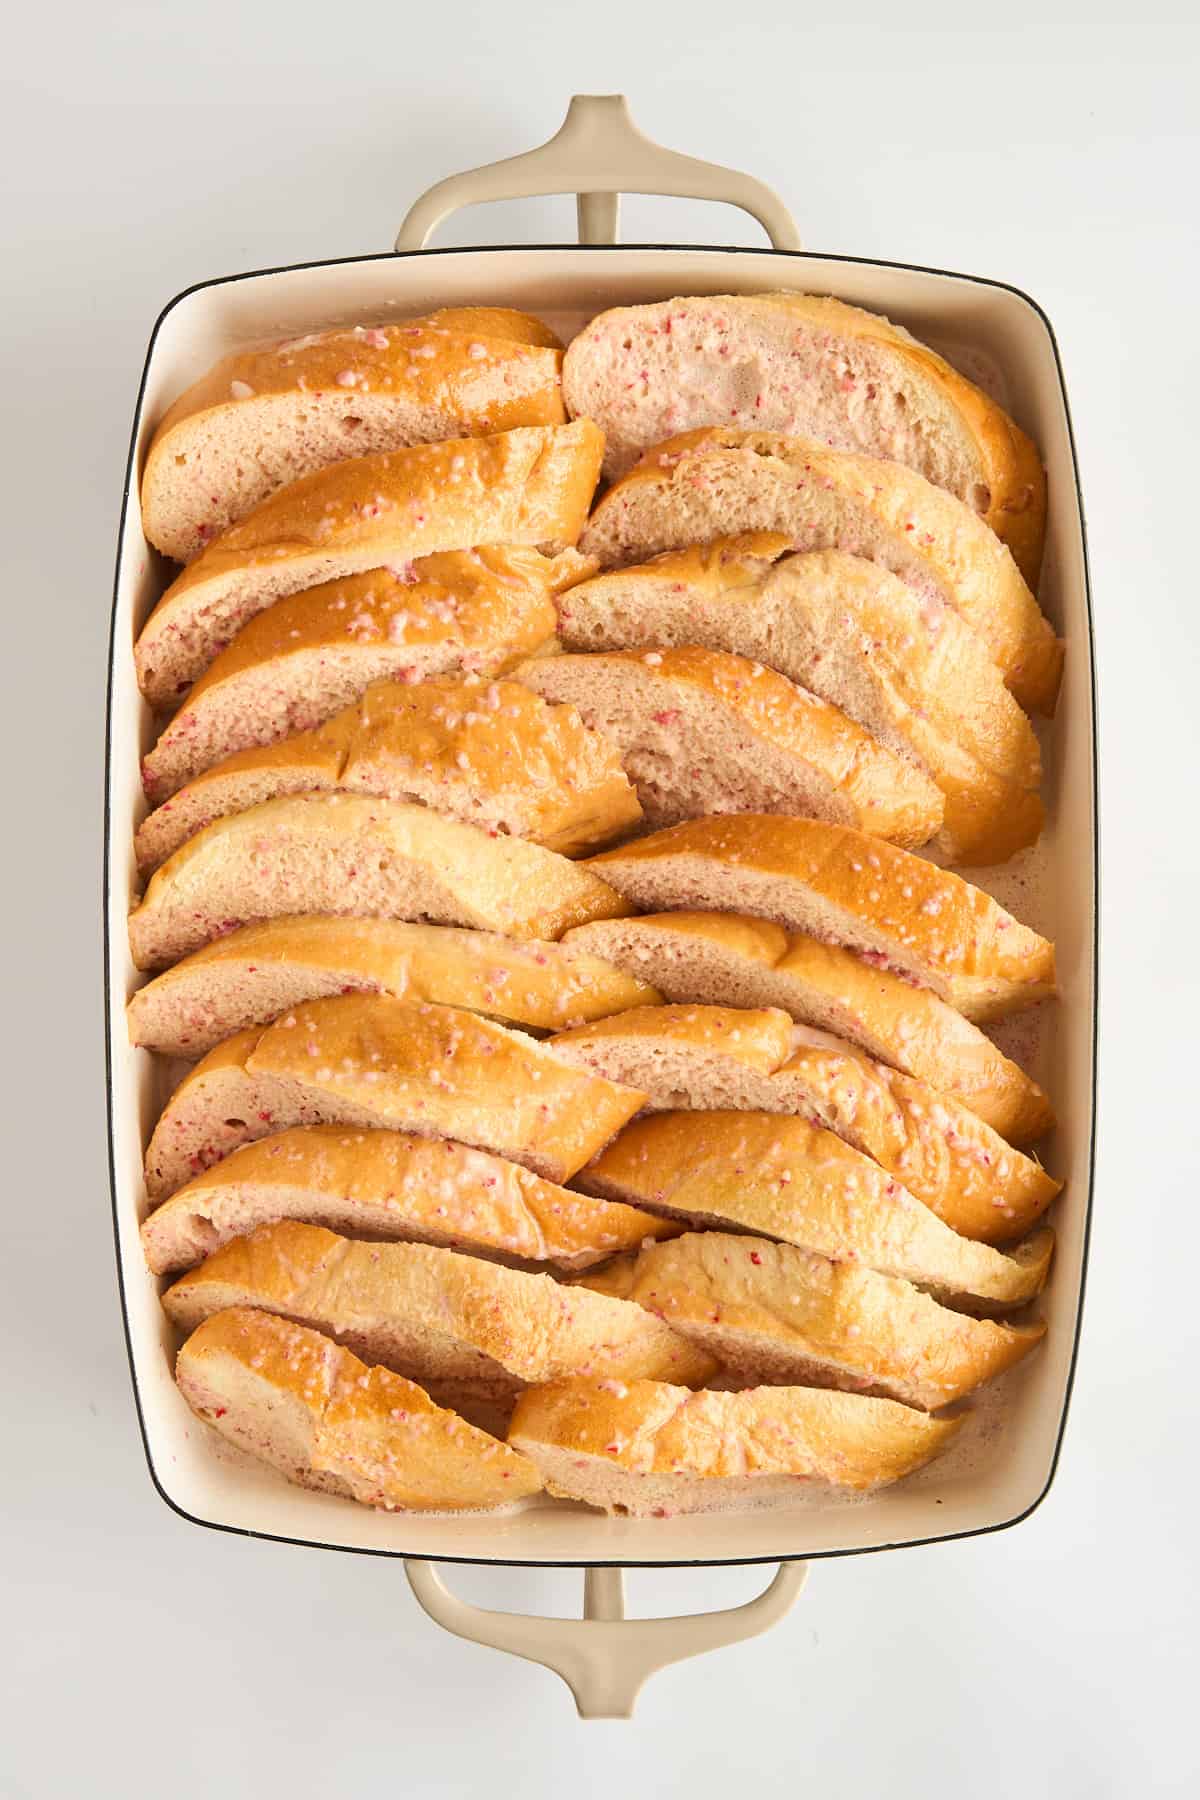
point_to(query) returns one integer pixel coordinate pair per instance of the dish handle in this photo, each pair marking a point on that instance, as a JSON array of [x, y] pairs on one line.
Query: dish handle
[[597, 154], [604, 1658]]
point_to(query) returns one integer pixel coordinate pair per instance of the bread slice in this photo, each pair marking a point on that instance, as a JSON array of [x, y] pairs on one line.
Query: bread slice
[[262, 418], [494, 755], [530, 486], [357, 856], [704, 1057], [648, 1448], [292, 667], [366, 1059], [815, 368], [322, 1418], [255, 973], [709, 484], [723, 959], [901, 663], [696, 1059], [388, 1185], [464, 1328], [773, 1313], [794, 1181], [702, 732], [842, 886]]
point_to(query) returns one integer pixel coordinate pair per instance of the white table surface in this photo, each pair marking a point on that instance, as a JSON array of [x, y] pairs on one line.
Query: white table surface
[[153, 145]]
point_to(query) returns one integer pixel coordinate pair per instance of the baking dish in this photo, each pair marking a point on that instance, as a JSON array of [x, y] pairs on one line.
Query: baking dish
[[1009, 1469]]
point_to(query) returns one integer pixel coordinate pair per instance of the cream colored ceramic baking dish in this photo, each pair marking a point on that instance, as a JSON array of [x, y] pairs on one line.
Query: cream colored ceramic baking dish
[[1010, 1464]]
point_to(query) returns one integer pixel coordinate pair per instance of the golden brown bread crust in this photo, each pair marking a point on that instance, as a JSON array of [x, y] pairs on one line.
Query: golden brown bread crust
[[494, 321], [425, 358], [1014, 474], [710, 1058], [492, 754], [528, 486], [251, 975], [451, 375], [942, 1152], [931, 538], [928, 922], [358, 856], [1008, 461], [789, 1179], [388, 1185], [366, 1059], [433, 1314], [772, 1312], [372, 1436], [657, 1432], [906, 1027], [495, 602], [907, 667], [882, 794], [467, 612]]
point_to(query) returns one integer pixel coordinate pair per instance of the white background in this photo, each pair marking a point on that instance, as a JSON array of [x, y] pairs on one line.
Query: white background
[[152, 145]]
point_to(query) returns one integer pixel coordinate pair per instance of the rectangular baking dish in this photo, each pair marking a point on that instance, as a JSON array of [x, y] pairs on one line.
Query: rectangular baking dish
[[598, 151]]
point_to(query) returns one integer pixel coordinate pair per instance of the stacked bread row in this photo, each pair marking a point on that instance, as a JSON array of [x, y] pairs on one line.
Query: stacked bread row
[[754, 1209]]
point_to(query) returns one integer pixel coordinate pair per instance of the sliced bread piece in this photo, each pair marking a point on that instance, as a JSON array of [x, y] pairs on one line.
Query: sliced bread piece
[[812, 367], [646, 1447], [941, 1151], [388, 1185], [773, 1313], [464, 612], [700, 1058], [903, 664], [794, 1181], [842, 886], [458, 1325], [721, 958], [702, 732], [359, 857], [366, 1059], [255, 973], [530, 486], [262, 418], [325, 1420], [493, 754], [710, 484]]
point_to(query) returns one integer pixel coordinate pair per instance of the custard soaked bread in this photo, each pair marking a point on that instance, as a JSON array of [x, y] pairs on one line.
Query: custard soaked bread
[[842, 886], [724, 958], [710, 1058], [464, 612], [462, 1327], [815, 368], [368, 1060], [530, 486], [252, 975], [491, 753], [648, 1447], [325, 1420], [702, 732], [711, 484], [900, 662], [794, 1181], [387, 1185], [260, 419], [773, 1313], [359, 857]]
